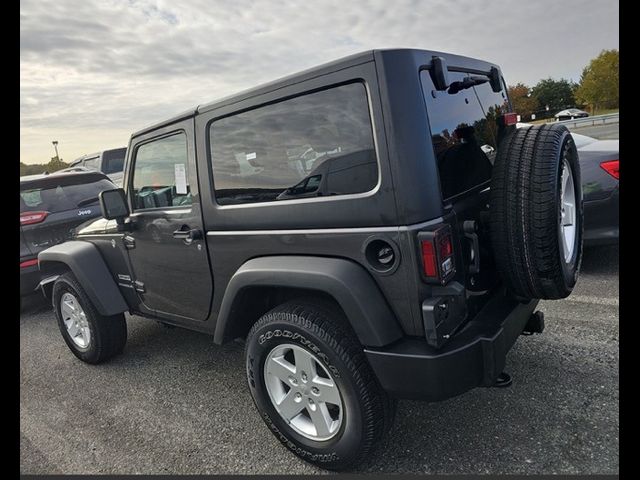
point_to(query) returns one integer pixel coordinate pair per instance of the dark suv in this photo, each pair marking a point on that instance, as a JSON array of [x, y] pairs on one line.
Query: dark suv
[[51, 207], [374, 228]]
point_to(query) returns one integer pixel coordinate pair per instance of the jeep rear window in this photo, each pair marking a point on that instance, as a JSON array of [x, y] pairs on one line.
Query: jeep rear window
[[463, 132], [318, 144], [64, 196]]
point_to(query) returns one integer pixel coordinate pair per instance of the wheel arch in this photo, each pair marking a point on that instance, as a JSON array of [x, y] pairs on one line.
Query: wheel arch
[[84, 260], [262, 283]]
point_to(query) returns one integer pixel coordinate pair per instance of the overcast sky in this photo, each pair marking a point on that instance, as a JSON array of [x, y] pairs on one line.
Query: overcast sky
[[93, 71]]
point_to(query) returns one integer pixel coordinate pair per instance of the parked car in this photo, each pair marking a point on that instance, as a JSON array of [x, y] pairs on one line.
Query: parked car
[[51, 206], [109, 162], [340, 222], [570, 114], [599, 166]]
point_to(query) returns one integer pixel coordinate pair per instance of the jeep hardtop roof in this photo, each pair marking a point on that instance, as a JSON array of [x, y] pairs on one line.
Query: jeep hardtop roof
[[420, 57]]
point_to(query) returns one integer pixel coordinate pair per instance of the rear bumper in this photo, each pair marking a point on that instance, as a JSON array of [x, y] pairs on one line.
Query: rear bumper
[[473, 357], [602, 220]]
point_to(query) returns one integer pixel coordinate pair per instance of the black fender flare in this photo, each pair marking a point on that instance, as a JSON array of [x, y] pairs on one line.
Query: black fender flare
[[87, 265], [348, 283]]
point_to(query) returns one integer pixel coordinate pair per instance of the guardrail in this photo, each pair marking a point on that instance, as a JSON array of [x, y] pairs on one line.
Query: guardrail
[[592, 121]]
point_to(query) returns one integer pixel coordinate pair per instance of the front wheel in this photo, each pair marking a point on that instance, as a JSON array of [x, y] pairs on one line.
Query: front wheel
[[313, 387], [92, 337]]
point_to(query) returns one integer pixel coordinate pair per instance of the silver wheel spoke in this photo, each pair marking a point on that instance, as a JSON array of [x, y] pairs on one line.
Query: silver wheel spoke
[[569, 214], [305, 363], [280, 368], [321, 419], [289, 408], [85, 335], [328, 391], [72, 328]]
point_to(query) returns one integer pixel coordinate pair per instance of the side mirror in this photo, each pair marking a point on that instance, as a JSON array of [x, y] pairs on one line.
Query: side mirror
[[113, 204], [494, 80], [439, 73]]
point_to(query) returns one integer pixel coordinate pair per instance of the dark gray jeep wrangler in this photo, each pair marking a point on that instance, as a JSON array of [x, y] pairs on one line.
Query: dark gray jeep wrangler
[[374, 228]]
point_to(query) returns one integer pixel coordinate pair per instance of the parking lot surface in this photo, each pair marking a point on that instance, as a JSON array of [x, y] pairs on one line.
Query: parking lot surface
[[175, 403]]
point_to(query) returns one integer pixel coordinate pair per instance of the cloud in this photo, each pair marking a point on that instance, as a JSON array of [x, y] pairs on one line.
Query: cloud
[[93, 71]]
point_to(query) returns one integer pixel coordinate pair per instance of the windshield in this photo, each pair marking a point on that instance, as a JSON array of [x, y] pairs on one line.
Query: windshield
[[62, 196], [464, 130]]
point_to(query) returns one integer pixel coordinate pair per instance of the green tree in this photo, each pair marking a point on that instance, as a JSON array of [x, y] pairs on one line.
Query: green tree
[[556, 94], [599, 83], [56, 164], [522, 100], [35, 168]]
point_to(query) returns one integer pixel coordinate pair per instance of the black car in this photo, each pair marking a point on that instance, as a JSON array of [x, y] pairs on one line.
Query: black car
[[570, 114], [51, 206], [373, 228], [599, 164]]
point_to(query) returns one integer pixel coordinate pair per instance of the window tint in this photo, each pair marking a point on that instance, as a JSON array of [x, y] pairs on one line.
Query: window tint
[[113, 160], [464, 132], [160, 175], [313, 145], [63, 196], [91, 163]]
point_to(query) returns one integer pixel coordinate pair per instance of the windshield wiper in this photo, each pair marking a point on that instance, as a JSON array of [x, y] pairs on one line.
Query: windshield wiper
[[467, 82]]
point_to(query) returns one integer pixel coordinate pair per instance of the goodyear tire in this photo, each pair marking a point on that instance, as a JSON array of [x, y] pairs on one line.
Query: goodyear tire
[[536, 212], [313, 387], [92, 337]]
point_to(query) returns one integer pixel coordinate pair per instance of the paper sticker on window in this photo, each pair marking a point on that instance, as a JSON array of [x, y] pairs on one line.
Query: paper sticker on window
[[181, 179], [251, 156]]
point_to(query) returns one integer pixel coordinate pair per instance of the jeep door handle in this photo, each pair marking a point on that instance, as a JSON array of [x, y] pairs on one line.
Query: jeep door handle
[[188, 234]]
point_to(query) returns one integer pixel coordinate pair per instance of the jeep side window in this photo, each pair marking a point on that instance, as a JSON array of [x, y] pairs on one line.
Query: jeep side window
[[155, 173], [317, 144]]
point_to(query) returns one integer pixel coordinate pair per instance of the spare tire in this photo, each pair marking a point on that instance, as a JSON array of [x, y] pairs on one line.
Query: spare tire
[[536, 218]]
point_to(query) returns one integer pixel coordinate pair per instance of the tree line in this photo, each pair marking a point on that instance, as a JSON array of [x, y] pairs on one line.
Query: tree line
[[53, 165], [597, 90]]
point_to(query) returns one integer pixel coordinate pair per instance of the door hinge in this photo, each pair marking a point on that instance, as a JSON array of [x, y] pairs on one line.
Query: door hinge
[[129, 242], [139, 286]]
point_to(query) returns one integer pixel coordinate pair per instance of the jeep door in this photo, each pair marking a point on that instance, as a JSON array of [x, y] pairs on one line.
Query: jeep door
[[168, 256]]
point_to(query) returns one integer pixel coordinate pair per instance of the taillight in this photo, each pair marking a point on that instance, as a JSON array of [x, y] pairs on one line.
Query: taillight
[[612, 167], [510, 118], [429, 260], [437, 254], [29, 263], [29, 218]]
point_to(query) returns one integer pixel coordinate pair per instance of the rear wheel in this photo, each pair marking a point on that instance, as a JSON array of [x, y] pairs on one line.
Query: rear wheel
[[536, 212], [92, 337], [313, 387]]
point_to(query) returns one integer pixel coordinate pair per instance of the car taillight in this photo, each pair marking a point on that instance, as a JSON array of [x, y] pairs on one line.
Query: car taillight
[[29, 218], [437, 254], [510, 118], [612, 167], [29, 263]]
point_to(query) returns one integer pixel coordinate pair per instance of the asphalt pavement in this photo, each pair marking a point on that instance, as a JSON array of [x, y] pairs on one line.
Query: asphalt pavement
[[174, 403]]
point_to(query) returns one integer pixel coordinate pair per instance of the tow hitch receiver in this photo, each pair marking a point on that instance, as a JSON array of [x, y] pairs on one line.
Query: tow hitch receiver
[[535, 324]]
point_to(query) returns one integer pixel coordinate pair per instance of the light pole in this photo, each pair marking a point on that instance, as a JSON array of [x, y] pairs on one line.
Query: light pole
[[55, 145]]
